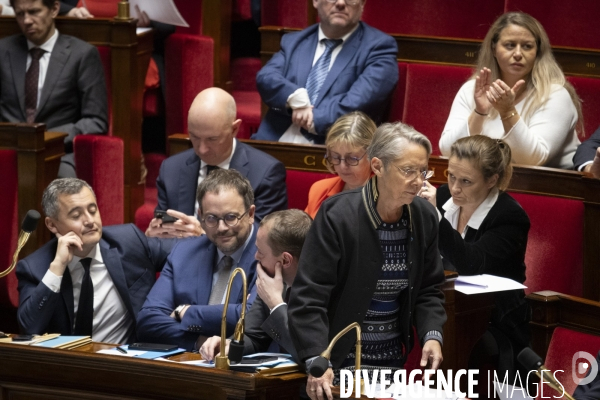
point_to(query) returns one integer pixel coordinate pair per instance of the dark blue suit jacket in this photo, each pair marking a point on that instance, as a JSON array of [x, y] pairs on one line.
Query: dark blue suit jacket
[[132, 261], [587, 150], [362, 78], [187, 279], [177, 181]]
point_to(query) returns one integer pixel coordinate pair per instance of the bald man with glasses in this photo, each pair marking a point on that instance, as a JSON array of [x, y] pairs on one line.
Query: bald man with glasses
[[186, 304]]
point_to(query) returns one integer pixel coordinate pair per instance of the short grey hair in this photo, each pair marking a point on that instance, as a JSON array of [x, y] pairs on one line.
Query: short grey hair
[[58, 187], [390, 140]]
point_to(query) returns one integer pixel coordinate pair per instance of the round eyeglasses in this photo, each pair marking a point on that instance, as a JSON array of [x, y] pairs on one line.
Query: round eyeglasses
[[411, 173], [230, 219], [351, 161]]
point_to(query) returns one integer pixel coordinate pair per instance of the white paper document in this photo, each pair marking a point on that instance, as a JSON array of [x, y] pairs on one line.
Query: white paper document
[[115, 352], [485, 284], [163, 11]]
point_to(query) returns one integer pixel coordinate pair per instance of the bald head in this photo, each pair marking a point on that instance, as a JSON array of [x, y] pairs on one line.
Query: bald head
[[212, 125]]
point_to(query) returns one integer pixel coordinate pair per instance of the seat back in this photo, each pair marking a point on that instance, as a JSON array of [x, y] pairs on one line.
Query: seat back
[[191, 11], [9, 297], [426, 82], [101, 8], [563, 345], [298, 185], [99, 162], [290, 14], [446, 18], [576, 30], [588, 90], [554, 256]]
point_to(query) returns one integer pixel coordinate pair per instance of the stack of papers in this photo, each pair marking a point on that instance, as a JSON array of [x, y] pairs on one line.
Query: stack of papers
[[148, 355], [64, 342], [485, 284]]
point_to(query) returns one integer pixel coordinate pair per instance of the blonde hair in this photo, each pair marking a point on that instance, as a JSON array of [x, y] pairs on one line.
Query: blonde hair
[[354, 129], [489, 156], [545, 72]]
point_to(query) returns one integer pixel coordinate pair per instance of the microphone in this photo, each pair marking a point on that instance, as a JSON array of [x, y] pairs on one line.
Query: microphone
[[321, 363], [27, 227], [531, 361]]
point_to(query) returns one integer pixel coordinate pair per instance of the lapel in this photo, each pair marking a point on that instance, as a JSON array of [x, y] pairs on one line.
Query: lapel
[[188, 183], [112, 261], [239, 161], [66, 291], [348, 51], [307, 48], [58, 58], [248, 264], [18, 65], [206, 262]]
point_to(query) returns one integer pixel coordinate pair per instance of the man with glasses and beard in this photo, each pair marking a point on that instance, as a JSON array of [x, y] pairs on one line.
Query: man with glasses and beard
[[186, 304]]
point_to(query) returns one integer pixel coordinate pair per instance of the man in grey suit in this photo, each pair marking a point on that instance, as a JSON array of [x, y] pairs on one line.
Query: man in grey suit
[[279, 242], [51, 78], [213, 126]]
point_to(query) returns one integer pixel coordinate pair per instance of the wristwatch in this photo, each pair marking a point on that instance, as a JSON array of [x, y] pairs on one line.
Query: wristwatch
[[178, 310]]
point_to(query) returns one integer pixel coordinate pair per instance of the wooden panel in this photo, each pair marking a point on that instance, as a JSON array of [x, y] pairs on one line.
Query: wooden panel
[[216, 23]]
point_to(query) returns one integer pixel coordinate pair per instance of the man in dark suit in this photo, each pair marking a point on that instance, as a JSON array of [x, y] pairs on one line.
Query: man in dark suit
[[186, 304], [325, 71], [279, 243], [88, 280], [212, 125], [51, 78], [587, 156]]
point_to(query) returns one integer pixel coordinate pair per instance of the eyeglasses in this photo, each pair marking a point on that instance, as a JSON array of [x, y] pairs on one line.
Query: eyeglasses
[[351, 161], [230, 219], [411, 173], [348, 2]]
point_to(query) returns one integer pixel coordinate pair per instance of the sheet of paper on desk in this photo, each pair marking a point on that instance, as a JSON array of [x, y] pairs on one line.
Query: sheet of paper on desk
[[148, 355], [115, 352], [163, 11], [485, 284]]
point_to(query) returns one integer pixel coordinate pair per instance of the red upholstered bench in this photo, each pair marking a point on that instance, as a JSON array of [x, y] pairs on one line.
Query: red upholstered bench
[[298, 185], [588, 90], [247, 98], [554, 257], [429, 93], [9, 296]]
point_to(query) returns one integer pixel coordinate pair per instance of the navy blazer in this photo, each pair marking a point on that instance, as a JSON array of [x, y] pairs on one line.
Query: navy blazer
[[131, 259], [187, 279], [587, 150], [177, 181], [362, 78]]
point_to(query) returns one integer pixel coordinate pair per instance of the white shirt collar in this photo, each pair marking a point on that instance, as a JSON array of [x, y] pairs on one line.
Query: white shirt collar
[[346, 36], [94, 254], [48, 46], [453, 211], [226, 162]]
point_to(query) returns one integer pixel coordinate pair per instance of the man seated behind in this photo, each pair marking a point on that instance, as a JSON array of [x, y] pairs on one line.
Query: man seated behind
[[212, 126], [587, 156], [89, 280], [325, 71], [51, 78], [279, 242], [186, 304]]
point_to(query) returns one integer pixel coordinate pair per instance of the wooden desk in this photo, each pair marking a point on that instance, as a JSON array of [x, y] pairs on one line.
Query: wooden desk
[[36, 373], [38, 158]]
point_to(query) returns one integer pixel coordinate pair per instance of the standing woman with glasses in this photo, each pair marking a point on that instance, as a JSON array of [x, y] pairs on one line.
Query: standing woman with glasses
[[346, 156], [483, 230], [371, 256]]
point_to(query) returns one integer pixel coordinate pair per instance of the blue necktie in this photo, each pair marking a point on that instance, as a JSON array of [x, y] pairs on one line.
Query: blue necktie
[[319, 71]]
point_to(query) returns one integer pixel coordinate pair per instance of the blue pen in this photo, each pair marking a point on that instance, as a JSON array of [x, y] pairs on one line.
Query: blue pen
[[121, 350]]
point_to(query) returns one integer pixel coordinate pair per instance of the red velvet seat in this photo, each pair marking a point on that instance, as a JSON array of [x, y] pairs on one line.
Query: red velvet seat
[[429, 93], [298, 185], [568, 23], [397, 103], [291, 14], [145, 213], [99, 161], [468, 19], [9, 296], [555, 245], [247, 98], [588, 90]]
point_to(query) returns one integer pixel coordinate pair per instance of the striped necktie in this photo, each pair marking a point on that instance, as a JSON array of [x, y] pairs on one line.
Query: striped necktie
[[319, 71], [32, 77]]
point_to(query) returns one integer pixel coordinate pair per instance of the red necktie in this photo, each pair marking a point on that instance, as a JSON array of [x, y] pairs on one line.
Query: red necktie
[[32, 78]]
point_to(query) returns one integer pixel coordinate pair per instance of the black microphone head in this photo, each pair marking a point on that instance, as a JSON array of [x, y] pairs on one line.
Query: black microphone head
[[529, 359], [236, 351], [30, 221], [319, 366]]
